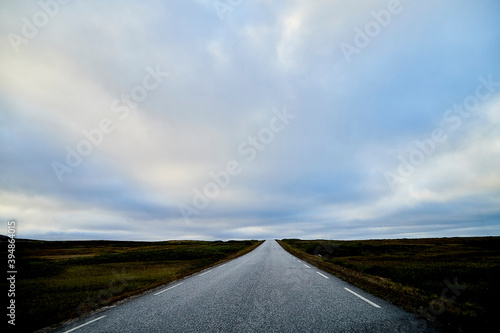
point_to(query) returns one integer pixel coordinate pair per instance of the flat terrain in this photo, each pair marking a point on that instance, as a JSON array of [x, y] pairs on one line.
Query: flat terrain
[[61, 280], [266, 290], [450, 281]]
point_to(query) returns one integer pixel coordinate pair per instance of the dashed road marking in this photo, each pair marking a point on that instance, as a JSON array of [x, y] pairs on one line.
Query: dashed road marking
[[167, 289], [364, 299], [326, 277], [90, 322], [307, 266], [204, 273]]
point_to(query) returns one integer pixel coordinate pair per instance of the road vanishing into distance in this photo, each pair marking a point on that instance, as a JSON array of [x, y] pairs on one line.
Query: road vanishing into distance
[[266, 290]]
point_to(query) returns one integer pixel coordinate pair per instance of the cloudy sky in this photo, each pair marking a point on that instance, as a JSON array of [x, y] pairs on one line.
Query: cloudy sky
[[230, 119]]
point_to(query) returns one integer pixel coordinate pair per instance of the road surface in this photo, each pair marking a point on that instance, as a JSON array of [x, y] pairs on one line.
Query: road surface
[[266, 290]]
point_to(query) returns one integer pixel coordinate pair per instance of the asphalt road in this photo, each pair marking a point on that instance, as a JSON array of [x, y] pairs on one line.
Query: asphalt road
[[267, 290]]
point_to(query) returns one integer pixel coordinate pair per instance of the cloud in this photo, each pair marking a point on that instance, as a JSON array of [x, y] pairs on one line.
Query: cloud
[[322, 176]]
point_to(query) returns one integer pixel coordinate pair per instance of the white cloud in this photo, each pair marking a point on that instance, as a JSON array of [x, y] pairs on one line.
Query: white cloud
[[323, 172]]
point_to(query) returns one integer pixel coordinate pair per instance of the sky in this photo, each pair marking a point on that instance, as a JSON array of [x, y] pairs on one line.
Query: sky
[[237, 119]]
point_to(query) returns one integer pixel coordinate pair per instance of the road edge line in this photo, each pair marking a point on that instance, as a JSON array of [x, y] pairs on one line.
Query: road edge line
[[364, 299], [80, 326]]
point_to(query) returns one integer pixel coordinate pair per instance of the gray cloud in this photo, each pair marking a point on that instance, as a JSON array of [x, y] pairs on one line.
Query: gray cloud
[[322, 176]]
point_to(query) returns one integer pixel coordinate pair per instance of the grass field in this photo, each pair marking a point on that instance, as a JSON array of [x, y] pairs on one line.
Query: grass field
[[65, 279], [453, 282]]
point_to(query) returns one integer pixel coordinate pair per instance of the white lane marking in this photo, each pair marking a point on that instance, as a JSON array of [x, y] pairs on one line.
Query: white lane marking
[[307, 266], [204, 273], [326, 277], [90, 322], [167, 289], [222, 265], [364, 299]]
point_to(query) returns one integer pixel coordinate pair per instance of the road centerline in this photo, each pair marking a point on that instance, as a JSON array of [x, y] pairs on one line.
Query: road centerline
[[326, 277]]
